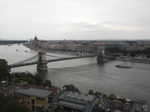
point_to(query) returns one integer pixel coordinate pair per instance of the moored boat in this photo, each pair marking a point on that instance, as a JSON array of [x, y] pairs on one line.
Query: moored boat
[[123, 66]]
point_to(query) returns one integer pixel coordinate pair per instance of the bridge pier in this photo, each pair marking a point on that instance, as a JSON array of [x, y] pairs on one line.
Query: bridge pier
[[100, 60], [100, 57], [42, 68]]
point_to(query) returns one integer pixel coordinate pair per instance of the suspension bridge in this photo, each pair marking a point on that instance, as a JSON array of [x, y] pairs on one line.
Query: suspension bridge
[[41, 61]]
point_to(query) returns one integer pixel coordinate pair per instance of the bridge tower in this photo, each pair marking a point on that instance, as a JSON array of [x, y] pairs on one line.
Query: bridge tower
[[42, 63], [100, 56]]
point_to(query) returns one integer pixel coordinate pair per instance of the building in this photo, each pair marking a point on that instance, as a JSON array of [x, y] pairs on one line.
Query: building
[[68, 101], [36, 100]]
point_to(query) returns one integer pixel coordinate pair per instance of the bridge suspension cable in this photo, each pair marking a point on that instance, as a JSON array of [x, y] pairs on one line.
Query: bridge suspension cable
[[69, 58], [21, 62], [51, 55]]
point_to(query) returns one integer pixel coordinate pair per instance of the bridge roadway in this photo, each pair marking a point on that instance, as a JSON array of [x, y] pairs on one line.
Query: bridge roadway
[[48, 61]]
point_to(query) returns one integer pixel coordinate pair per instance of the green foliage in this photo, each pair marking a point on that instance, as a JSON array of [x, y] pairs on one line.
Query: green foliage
[[29, 79], [112, 97], [23, 77], [91, 92], [9, 104], [38, 80], [71, 87], [48, 83], [4, 70]]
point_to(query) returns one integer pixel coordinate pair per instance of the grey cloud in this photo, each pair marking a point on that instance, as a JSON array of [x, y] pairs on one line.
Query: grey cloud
[[80, 19]]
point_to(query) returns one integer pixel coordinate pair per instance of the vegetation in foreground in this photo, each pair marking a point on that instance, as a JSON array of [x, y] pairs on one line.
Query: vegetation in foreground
[[9, 104]]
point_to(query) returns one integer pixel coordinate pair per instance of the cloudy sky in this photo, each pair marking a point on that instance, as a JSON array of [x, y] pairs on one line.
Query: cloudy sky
[[75, 19]]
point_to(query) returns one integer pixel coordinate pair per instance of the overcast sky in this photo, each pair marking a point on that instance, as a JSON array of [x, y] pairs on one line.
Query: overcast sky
[[75, 19]]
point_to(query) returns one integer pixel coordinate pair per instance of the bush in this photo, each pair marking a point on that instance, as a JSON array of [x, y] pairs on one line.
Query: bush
[[9, 104], [4, 69]]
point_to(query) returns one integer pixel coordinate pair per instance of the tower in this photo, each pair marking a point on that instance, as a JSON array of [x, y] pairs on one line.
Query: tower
[[100, 56], [36, 43], [42, 64]]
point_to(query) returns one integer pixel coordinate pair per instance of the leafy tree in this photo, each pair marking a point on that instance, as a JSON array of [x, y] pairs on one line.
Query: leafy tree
[[112, 97], [48, 83], [4, 69], [91, 92], [71, 87], [38, 80], [23, 76], [9, 104]]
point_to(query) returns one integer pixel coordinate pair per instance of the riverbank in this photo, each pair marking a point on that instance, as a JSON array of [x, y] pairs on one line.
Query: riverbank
[[71, 53], [134, 60]]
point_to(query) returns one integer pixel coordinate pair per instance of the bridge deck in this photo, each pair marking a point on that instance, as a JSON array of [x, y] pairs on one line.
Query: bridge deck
[[48, 61]]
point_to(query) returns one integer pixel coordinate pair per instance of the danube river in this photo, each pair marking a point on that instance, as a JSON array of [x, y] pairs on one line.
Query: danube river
[[133, 83]]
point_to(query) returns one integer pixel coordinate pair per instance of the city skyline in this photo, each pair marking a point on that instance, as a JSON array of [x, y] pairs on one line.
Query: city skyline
[[74, 19]]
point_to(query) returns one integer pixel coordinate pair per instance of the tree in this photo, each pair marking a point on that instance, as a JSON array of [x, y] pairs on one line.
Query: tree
[[71, 87], [9, 104], [4, 69], [38, 80], [112, 97], [23, 76], [91, 92], [48, 83]]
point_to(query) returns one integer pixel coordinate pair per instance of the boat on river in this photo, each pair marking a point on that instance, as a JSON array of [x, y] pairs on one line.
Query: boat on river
[[123, 66]]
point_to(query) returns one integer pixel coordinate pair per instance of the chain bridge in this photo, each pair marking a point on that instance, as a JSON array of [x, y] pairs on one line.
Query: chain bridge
[[41, 60]]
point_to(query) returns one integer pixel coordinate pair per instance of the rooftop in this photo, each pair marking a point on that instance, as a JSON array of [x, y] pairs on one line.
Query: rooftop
[[76, 97], [41, 93], [76, 101]]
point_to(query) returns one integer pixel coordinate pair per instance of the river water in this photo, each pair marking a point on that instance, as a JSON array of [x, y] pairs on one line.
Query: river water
[[133, 83]]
